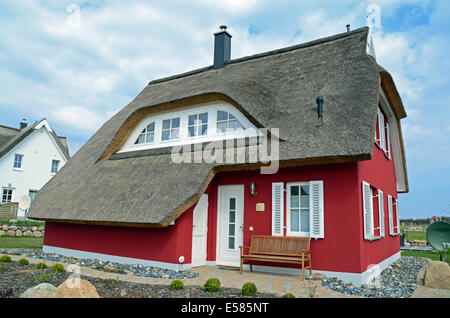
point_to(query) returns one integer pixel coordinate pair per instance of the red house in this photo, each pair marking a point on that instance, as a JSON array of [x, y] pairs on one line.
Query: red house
[[300, 141]]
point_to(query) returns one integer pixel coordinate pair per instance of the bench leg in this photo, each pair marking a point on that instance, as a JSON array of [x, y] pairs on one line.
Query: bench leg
[[251, 267], [241, 266], [303, 269]]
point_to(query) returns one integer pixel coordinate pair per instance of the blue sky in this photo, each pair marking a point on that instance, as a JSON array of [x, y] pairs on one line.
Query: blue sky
[[79, 72]]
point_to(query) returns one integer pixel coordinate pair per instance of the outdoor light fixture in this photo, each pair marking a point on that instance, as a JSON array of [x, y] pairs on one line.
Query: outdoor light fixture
[[252, 188], [181, 259], [319, 102]]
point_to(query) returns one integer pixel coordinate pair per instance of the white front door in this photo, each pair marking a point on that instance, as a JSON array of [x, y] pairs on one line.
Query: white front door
[[230, 217], [199, 231]]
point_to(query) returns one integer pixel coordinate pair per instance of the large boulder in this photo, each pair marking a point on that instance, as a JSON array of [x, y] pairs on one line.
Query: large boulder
[[2, 233], [68, 290], [18, 233], [5, 227], [11, 233], [37, 234], [12, 227], [39, 291], [437, 275], [27, 233]]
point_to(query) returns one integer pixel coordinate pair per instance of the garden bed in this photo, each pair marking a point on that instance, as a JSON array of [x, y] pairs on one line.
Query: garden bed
[[16, 279]]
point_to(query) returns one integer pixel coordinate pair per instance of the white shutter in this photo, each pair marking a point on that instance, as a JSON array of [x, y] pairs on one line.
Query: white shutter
[[388, 143], [398, 217], [381, 212], [391, 218], [381, 130], [277, 208], [316, 217], [367, 211]]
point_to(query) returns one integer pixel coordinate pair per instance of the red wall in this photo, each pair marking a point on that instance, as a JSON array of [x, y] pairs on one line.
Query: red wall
[[340, 249], [162, 245], [379, 173]]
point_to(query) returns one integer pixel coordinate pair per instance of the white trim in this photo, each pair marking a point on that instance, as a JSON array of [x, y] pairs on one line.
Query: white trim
[[288, 208], [113, 258], [44, 123], [278, 190], [212, 135]]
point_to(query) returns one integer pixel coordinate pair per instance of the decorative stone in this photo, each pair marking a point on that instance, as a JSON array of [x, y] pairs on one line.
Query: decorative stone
[[67, 290], [37, 234], [27, 233], [11, 233], [12, 227], [18, 233], [23, 228], [5, 227], [437, 275], [34, 228], [421, 276], [39, 291], [2, 233], [41, 228], [123, 293]]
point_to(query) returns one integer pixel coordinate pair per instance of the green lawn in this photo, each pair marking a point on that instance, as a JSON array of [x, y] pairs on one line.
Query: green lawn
[[435, 256], [415, 235], [21, 242]]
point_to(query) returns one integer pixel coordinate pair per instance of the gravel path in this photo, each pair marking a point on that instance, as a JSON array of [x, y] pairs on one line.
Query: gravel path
[[398, 280], [136, 269]]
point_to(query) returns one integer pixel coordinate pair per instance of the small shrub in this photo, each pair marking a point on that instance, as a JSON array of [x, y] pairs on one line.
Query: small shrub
[[5, 259], [176, 284], [249, 289], [121, 271], [212, 285], [57, 268], [39, 280], [23, 261], [40, 266], [288, 295]]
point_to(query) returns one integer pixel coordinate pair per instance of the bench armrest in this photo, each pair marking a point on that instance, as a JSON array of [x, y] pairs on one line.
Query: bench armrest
[[242, 248]]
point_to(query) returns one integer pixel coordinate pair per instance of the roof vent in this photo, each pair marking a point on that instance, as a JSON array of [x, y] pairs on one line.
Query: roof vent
[[23, 124], [222, 47], [348, 27]]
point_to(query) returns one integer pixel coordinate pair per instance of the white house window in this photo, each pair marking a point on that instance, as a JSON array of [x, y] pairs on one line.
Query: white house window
[[394, 217], [32, 194], [298, 209], [373, 212], [231, 223], [382, 136], [226, 122], [170, 129], [6, 195], [18, 161], [147, 136], [55, 164], [198, 125]]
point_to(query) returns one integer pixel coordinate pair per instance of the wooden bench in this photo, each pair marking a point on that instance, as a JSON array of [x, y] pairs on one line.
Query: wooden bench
[[278, 249]]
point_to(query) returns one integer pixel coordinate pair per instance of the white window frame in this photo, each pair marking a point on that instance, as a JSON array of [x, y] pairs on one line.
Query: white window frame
[[368, 211], [393, 230], [21, 162], [288, 209], [57, 166], [145, 135], [212, 134], [10, 195], [170, 119]]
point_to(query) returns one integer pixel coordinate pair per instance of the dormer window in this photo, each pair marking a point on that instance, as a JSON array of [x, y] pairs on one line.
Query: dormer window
[[198, 125], [170, 129], [226, 122], [147, 136], [202, 123], [382, 136]]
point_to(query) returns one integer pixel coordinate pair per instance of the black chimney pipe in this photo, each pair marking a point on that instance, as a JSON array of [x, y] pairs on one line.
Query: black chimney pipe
[[23, 124], [222, 47]]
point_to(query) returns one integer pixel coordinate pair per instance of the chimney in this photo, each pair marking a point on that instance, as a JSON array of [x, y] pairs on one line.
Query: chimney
[[23, 124], [222, 47], [348, 27]]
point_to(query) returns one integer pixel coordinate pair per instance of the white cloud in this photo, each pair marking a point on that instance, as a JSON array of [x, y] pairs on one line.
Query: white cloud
[[78, 117]]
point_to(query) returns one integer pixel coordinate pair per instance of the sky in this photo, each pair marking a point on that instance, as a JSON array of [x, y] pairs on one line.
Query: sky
[[77, 63]]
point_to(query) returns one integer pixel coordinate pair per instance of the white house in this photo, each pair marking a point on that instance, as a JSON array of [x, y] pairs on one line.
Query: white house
[[29, 157]]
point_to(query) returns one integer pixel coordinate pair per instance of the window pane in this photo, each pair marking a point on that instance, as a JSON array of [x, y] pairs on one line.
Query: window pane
[[175, 133], [191, 131], [151, 127], [191, 120], [166, 124], [140, 140], [176, 122], [231, 243], [294, 220], [294, 190], [231, 230], [305, 220], [232, 203], [150, 138], [222, 115], [305, 196], [222, 127], [232, 217], [165, 135], [203, 118], [204, 130], [235, 125]]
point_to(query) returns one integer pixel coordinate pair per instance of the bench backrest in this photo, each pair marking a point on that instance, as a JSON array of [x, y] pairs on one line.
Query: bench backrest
[[279, 245]]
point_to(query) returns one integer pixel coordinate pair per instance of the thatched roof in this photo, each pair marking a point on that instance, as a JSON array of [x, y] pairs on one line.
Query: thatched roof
[[277, 89], [11, 137]]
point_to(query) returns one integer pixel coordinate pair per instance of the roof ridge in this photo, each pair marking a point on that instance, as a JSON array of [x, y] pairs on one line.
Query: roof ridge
[[4, 126], [264, 54]]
